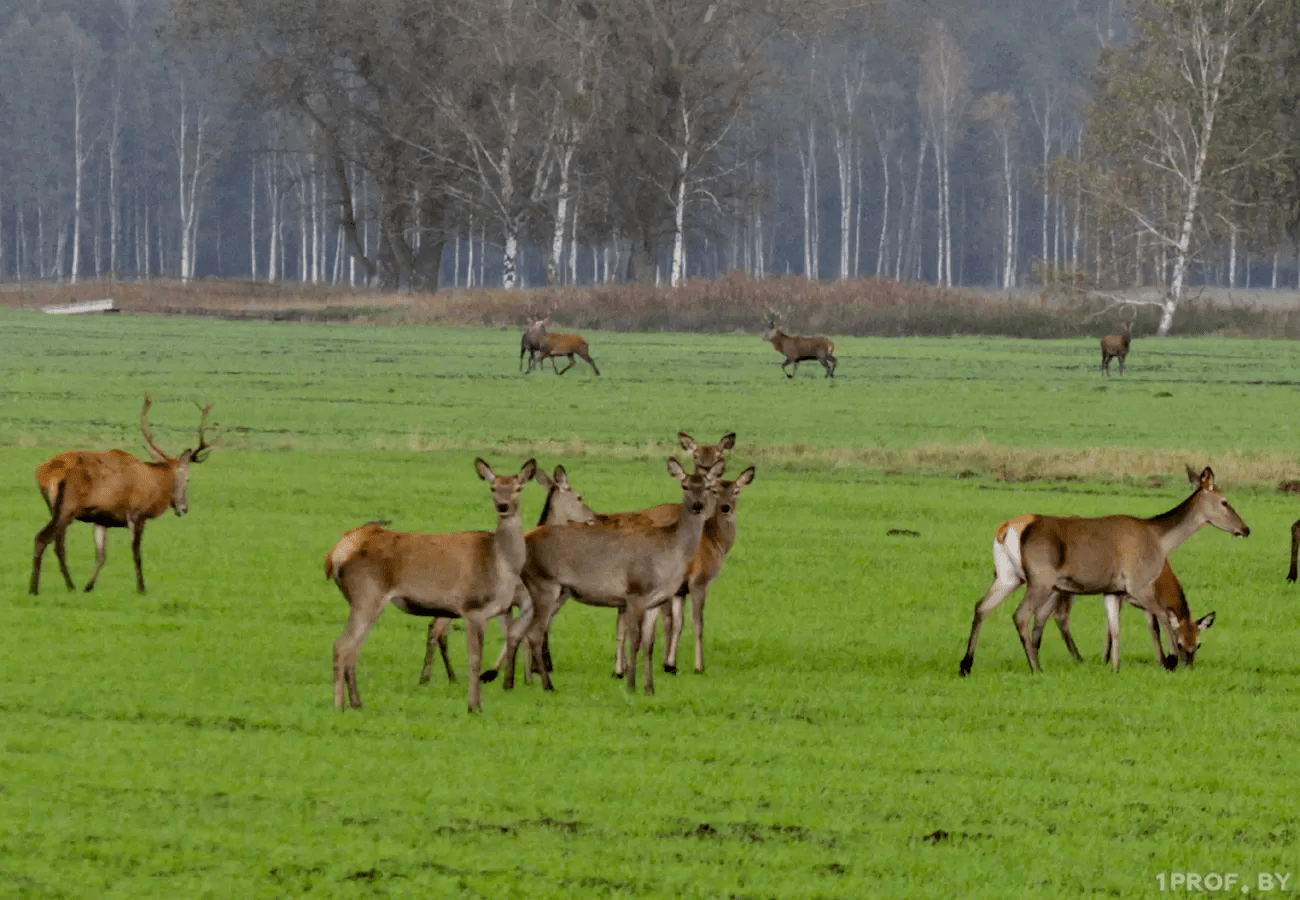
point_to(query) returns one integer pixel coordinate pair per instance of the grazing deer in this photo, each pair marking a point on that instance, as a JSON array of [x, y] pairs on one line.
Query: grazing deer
[[1115, 346], [471, 575], [797, 349], [1184, 632], [542, 345], [112, 490], [1060, 555], [563, 506], [1295, 549], [635, 567]]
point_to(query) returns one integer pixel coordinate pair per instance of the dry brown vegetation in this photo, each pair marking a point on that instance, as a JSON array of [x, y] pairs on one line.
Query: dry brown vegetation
[[736, 303]]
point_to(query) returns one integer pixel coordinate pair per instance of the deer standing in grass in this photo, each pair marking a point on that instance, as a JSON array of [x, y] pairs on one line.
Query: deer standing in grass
[[1295, 550], [1115, 346], [112, 490], [471, 575], [541, 345], [1184, 631], [705, 457], [635, 568], [718, 539], [797, 349], [563, 506], [1067, 555]]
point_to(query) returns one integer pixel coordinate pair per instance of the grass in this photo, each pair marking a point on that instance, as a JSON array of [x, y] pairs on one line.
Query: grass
[[183, 743]]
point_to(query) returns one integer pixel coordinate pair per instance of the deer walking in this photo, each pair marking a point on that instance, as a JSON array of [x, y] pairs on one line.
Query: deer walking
[[1295, 550], [1115, 346], [797, 349], [1008, 575], [541, 345], [112, 490], [635, 568], [471, 575], [1066, 555]]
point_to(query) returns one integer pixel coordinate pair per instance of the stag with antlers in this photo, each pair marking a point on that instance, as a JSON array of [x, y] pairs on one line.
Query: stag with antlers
[[112, 490], [797, 348]]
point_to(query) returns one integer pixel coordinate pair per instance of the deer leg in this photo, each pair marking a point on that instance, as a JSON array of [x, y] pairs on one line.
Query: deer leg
[[620, 646], [101, 539], [1025, 617], [61, 551], [786, 371], [630, 622], [572, 363], [674, 619], [591, 362], [1295, 550], [699, 593], [1061, 612], [830, 362], [474, 641], [346, 649], [137, 532], [1003, 585], [1169, 661], [1112, 629], [649, 619], [437, 638]]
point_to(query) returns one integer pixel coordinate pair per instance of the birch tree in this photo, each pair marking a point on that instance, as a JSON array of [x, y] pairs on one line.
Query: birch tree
[[1182, 113], [944, 96]]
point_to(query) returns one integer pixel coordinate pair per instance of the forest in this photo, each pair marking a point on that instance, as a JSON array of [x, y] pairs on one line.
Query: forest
[[411, 145]]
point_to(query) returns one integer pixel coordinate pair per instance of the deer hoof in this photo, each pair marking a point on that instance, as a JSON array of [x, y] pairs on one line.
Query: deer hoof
[[488, 677], [1170, 662], [671, 670], [618, 674], [967, 662]]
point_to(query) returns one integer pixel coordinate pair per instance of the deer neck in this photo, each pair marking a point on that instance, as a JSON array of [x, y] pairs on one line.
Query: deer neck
[[721, 530], [508, 541], [690, 530], [1177, 525]]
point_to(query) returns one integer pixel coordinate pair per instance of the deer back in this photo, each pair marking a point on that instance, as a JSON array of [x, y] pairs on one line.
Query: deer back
[[109, 487], [564, 344]]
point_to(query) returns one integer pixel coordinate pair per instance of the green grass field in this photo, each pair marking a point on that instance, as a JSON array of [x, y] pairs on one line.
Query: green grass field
[[184, 743]]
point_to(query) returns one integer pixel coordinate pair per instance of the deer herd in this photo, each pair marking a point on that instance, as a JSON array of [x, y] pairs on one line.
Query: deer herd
[[644, 564]]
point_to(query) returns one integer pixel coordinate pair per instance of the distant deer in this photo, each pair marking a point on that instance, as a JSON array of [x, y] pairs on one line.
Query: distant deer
[[797, 349], [1062, 555], [112, 490], [541, 345], [563, 506], [1115, 346], [470, 575], [635, 568], [1184, 631], [1295, 549]]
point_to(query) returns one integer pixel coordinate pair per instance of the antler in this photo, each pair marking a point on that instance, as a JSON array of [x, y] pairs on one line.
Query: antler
[[154, 450], [201, 451]]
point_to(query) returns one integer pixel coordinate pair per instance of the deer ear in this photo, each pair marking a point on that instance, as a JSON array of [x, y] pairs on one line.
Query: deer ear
[[728, 441], [483, 469], [745, 477], [1207, 479], [716, 470], [561, 477], [675, 468], [1173, 620], [528, 471], [1205, 621], [543, 479], [688, 442]]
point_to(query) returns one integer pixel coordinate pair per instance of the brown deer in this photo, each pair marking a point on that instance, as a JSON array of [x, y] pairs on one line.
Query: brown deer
[[718, 539], [1115, 346], [470, 575], [546, 345], [112, 490], [798, 349], [1295, 549], [563, 506], [1062, 555], [635, 568], [1184, 631]]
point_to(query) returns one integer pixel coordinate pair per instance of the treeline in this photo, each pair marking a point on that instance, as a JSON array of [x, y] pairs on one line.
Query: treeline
[[410, 145]]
